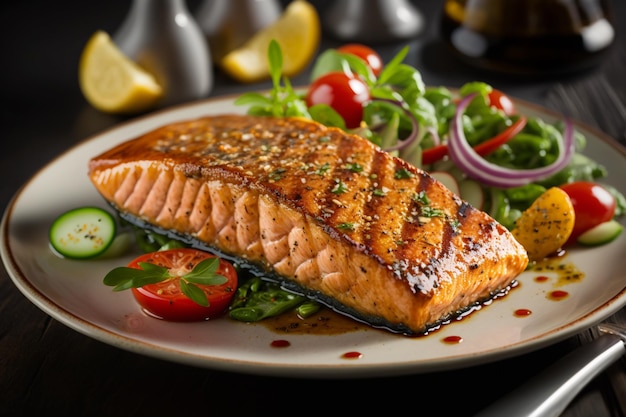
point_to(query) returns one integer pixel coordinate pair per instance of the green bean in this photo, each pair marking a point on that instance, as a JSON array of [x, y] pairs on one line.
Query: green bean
[[499, 204], [257, 299], [530, 143], [486, 126], [525, 194], [308, 308]]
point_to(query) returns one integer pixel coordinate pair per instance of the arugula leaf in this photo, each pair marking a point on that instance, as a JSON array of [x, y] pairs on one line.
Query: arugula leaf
[[282, 99]]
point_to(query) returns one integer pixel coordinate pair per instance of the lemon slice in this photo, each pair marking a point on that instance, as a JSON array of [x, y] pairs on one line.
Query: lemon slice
[[297, 31], [113, 83]]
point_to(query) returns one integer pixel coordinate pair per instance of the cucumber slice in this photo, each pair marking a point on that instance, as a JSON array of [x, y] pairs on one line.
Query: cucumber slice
[[83, 232], [601, 234], [472, 192], [448, 180]]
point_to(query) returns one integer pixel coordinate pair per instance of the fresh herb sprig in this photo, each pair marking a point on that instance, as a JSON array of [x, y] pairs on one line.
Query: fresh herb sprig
[[282, 100], [204, 273]]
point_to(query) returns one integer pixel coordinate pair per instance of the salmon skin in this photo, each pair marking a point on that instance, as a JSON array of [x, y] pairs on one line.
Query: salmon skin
[[328, 213]]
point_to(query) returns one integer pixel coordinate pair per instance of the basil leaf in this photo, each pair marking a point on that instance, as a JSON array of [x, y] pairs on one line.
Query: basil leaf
[[120, 278], [326, 115], [207, 266], [123, 278], [252, 99], [308, 308], [194, 292], [207, 280]]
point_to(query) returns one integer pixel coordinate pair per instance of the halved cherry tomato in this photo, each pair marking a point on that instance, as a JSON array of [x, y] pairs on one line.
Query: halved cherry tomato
[[165, 299], [345, 93], [593, 205], [367, 54], [501, 101]]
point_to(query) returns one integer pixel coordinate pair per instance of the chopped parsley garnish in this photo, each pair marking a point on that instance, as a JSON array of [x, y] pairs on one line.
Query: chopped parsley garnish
[[421, 198], [322, 169], [324, 139], [277, 174], [428, 211], [456, 225], [340, 187], [345, 226], [354, 167], [403, 173]]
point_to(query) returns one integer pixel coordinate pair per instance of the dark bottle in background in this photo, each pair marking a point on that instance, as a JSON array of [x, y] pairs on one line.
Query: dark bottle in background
[[528, 37]]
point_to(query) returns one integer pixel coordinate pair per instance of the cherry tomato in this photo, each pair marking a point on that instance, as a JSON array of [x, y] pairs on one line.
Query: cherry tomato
[[367, 54], [593, 205], [346, 94], [165, 299], [501, 101]]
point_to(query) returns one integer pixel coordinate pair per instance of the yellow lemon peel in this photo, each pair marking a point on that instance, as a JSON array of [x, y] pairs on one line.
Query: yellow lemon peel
[[111, 82], [297, 31]]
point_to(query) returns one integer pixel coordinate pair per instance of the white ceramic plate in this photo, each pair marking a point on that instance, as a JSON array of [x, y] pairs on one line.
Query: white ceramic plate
[[72, 291]]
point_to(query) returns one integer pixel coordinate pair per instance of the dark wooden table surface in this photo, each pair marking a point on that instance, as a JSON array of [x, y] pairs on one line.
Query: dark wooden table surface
[[46, 367]]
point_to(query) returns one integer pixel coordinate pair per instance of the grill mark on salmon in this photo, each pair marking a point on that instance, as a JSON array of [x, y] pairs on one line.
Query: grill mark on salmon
[[385, 243]]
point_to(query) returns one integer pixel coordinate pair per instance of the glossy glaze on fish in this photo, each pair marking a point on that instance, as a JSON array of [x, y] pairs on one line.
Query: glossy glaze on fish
[[329, 213]]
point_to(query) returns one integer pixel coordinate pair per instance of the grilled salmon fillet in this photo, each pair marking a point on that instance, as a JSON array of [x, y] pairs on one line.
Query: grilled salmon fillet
[[327, 213]]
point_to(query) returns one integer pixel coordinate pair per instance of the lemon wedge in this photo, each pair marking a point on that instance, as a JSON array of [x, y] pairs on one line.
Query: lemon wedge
[[112, 82], [297, 31]]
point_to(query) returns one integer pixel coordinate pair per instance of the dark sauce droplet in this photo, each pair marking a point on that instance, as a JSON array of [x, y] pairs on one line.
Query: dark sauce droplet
[[522, 312], [352, 355], [541, 278], [280, 343], [558, 295], [452, 339]]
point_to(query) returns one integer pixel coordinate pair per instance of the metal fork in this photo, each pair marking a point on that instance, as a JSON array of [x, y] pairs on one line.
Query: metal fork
[[551, 391]]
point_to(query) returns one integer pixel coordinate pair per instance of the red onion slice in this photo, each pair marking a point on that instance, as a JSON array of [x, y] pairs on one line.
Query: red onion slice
[[414, 129], [475, 166]]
